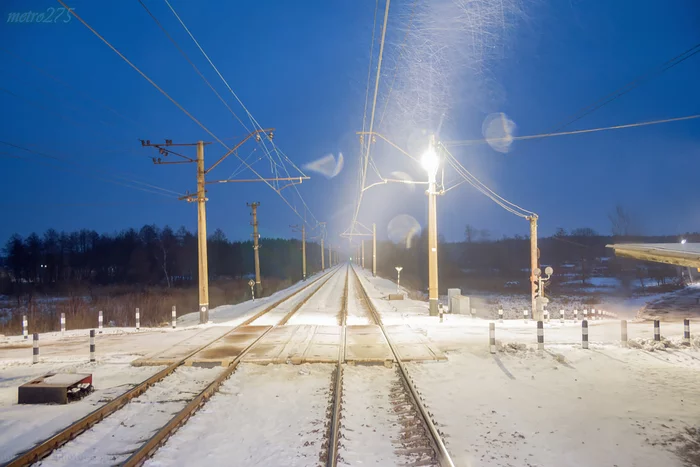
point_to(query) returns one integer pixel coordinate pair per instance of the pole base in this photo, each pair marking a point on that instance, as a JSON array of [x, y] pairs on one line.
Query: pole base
[[203, 314], [433, 307]]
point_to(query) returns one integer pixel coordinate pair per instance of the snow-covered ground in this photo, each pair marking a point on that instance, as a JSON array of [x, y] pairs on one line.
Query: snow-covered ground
[[357, 312], [567, 406], [271, 415], [113, 440]]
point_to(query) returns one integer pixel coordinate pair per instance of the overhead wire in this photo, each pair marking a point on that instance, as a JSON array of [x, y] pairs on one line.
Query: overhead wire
[[253, 121], [621, 91], [566, 133], [171, 99]]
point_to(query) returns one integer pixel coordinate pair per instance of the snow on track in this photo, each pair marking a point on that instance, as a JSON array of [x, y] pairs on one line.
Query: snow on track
[[263, 415], [358, 313], [22, 426], [325, 305], [112, 440], [370, 431]]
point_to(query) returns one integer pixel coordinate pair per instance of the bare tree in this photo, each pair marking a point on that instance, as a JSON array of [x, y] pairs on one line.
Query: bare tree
[[621, 221]]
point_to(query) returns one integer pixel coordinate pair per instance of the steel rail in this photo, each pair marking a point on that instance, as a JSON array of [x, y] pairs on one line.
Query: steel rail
[[443, 456], [57, 440], [337, 396], [161, 436]]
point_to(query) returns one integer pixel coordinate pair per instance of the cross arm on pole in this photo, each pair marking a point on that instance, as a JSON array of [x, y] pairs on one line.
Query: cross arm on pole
[[270, 134]]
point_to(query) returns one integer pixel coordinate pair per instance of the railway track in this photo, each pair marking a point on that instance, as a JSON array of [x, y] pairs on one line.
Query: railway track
[[419, 443], [160, 380]]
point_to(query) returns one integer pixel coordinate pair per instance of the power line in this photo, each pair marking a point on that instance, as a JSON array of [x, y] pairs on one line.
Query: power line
[[147, 187], [374, 106], [255, 124], [621, 91], [469, 142], [201, 125]]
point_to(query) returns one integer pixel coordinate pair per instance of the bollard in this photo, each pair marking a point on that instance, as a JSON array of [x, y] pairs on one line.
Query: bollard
[[657, 331], [440, 312], [63, 324], [138, 319], [575, 316], [92, 345], [540, 335], [584, 334], [623, 333], [561, 313], [492, 337], [546, 315], [500, 316], [35, 349], [525, 316], [174, 317], [99, 321], [686, 332], [473, 313], [24, 327]]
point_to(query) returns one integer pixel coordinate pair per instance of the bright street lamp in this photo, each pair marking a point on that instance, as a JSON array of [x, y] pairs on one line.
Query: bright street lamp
[[398, 279], [431, 163], [683, 241]]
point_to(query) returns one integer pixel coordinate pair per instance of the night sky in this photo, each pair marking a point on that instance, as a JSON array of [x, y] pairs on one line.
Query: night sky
[[301, 67]]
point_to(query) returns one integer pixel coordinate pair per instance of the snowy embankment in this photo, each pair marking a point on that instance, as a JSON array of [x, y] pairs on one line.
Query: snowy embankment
[[566, 406]]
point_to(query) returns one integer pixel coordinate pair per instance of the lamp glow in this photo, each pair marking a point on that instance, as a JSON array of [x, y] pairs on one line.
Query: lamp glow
[[683, 241], [430, 161]]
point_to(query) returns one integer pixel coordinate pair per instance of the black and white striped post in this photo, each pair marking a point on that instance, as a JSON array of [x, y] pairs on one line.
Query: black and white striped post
[[584, 334], [561, 314], [174, 317], [138, 319], [585, 314], [623, 333], [63, 323], [492, 337], [686, 331], [35, 349], [25, 333], [99, 321], [575, 316], [500, 316], [540, 335], [657, 331], [92, 345]]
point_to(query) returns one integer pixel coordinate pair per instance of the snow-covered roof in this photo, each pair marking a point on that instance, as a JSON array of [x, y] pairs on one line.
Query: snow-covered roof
[[680, 254]]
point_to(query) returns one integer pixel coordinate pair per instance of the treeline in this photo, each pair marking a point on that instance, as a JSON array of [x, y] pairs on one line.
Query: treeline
[[149, 256], [578, 254]]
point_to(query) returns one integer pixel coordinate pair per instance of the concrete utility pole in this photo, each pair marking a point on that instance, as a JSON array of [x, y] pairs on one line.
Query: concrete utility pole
[[363, 253], [374, 250], [534, 256], [202, 237], [431, 164], [330, 255], [256, 246], [323, 250], [200, 199]]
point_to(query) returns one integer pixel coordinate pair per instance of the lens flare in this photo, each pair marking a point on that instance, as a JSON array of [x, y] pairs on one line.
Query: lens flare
[[498, 131], [403, 229]]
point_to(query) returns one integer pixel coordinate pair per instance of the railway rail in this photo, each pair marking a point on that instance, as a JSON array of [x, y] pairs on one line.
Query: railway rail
[[48, 446], [423, 442]]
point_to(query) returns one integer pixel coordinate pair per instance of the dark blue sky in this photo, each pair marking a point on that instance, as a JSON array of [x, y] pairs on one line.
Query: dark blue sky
[[301, 67]]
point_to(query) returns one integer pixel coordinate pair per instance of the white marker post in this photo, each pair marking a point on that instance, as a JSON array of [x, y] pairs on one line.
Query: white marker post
[[473, 313], [25, 333], [575, 316], [540, 336], [623, 333], [174, 315], [593, 315], [657, 331], [99, 322], [686, 332], [138, 319], [492, 338], [92, 345], [584, 334], [561, 314], [63, 324], [500, 316], [35, 349], [585, 314], [546, 316], [525, 316]]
